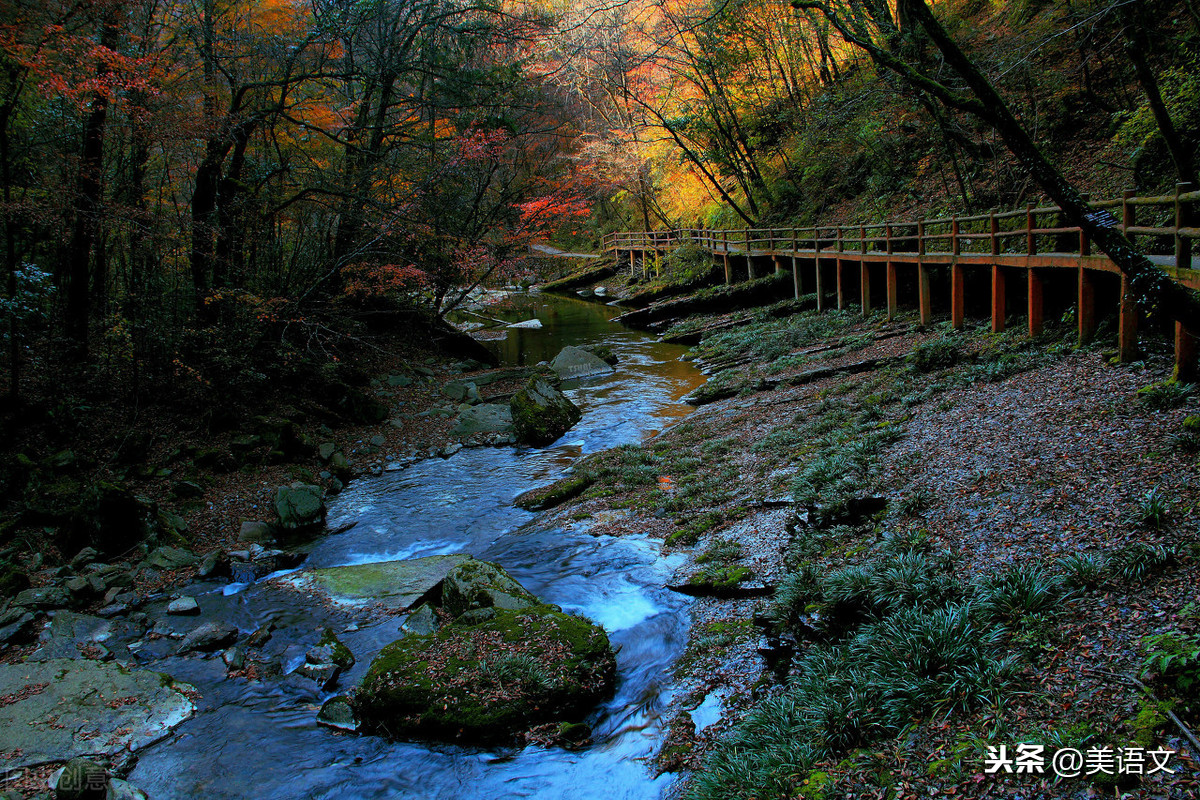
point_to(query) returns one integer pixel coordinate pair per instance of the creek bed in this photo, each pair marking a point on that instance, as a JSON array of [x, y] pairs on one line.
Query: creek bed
[[259, 738]]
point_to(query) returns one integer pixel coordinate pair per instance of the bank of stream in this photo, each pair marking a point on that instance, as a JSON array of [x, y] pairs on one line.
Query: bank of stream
[[257, 736]]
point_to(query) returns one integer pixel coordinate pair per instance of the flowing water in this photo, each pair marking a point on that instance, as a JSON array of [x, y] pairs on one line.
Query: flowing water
[[260, 739]]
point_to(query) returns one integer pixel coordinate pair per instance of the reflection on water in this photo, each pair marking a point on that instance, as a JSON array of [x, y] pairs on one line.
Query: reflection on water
[[259, 738]]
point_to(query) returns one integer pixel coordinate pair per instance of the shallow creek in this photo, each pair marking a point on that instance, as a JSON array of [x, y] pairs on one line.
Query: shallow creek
[[260, 739]]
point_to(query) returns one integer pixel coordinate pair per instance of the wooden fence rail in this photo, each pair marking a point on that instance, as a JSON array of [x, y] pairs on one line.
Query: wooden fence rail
[[1033, 240]]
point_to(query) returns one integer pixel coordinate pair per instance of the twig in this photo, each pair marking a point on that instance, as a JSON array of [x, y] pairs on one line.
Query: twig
[[1191, 737]]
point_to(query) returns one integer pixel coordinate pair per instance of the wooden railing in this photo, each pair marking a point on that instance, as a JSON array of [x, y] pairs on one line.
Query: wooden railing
[[1027, 232], [1030, 240]]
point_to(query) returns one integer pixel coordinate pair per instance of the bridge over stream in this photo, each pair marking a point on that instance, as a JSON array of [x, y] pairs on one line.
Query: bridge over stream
[[1000, 263]]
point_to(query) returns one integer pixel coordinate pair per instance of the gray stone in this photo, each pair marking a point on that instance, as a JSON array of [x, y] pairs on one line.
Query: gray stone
[[485, 418], [69, 634], [257, 532], [422, 621], [84, 557], [183, 606], [475, 616], [212, 563], [170, 558], [378, 441], [124, 790], [394, 584], [542, 413], [482, 584], [98, 584], [529, 323], [399, 380], [44, 597], [208, 637], [80, 779], [299, 505], [338, 713], [326, 449], [451, 449], [68, 709], [16, 628], [78, 587], [234, 657], [324, 675], [575, 362]]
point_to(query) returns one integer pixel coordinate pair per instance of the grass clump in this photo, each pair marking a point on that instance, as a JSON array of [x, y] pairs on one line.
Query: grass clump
[[1137, 561], [1166, 395], [1019, 591], [1083, 570], [935, 354], [1154, 510]]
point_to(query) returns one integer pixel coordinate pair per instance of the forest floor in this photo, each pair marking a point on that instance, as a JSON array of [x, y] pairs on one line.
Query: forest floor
[[863, 470]]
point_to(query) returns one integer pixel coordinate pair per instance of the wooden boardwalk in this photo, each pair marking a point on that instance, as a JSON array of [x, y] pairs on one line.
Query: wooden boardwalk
[[1029, 259]]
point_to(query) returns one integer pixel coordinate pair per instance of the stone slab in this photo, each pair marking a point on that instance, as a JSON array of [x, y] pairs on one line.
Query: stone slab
[[394, 584]]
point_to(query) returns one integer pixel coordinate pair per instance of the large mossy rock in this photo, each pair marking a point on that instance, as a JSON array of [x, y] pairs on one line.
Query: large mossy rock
[[481, 584], [299, 506], [488, 682], [575, 362], [541, 413], [393, 584]]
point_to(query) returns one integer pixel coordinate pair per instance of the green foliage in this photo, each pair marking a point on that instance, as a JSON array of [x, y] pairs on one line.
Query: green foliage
[[1154, 510], [1018, 591], [935, 354], [1175, 658], [1083, 570], [1139, 560], [1165, 395]]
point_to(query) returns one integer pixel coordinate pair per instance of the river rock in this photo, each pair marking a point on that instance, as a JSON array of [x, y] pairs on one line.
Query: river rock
[[124, 790], [84, 557], [338, 713], [17, 624], [67, 708], [213, 563], [392, 584], [575, 362], [299, 506], [44, 597], [256, 532], [170, 558], [547, 666], [69, 635], [183, 606], [533, 324], [542, 413], [209, 636], [484, 418], [422, 621], [81, 779], [482, 584]]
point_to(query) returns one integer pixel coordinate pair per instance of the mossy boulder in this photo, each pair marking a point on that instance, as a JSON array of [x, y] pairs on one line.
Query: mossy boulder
[[299, 506], [477, 584], [576, 362], [541, 413], [488, 682]]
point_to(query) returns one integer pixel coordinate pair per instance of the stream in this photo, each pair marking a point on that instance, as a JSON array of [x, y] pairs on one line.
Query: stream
[[259, 738]]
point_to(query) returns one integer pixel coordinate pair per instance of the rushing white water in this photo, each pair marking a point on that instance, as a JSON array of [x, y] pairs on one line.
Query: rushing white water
[[260, 739]]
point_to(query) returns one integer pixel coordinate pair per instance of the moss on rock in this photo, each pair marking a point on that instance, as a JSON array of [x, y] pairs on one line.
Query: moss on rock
[[488, 682], [541, 413]]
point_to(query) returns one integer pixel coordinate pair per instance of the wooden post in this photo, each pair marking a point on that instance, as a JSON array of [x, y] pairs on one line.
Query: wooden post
[[1030, 239], [1183, 246], [841, 276], [958, 302], [725, 253], [924, 300], [1086, 308], [892, 287], [1034, 291], [958, 282], [1127, 327], [993, 232], [1185, 353], [632, 264], [795, 277], [864, 272], [998, 298], [820, 281]]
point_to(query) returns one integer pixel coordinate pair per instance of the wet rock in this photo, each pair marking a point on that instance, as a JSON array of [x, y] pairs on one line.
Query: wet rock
[[574, 732], [554, 667], [65, 710], [170, 558], [338, 712], [575, 362], [234, 657], [450, 449], [124, 790], [208, 637], [81, 779], [183, 606], [69, 634], [533, 324], [330, 650], [212, 564], [602, 352], [45, 597], [258, 532], [323, 675], [424, 620], [485, 418], [481, 584], [541, 413], [299, 506], [393, 584]]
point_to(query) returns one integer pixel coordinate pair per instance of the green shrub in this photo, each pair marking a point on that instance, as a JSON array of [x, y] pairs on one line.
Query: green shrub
[[1138, 560], [1165, 395], [1154, 510], [935, 354], [1083, 570], [1017, 591]]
